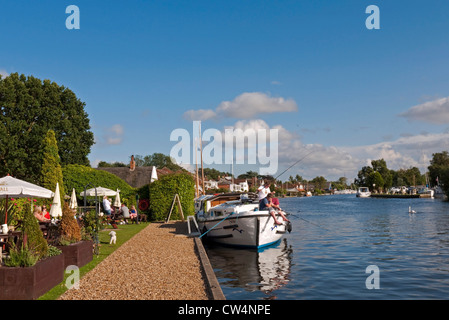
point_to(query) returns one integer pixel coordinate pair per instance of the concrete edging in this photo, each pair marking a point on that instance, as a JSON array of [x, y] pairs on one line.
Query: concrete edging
[[211, 280]]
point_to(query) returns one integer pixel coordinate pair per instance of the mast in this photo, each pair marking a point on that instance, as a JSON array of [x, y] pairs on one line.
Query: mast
[[201, 150], [197, 183]]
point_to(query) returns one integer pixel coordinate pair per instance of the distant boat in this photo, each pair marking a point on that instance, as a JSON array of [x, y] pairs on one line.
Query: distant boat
[[426, 192], [363, 192]]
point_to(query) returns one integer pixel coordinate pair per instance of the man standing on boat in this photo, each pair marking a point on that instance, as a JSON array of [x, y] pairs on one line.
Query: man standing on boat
[[264, 190]]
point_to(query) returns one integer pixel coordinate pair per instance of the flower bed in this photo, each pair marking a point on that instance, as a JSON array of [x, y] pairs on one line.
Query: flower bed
[[78, 254], [28, 283]]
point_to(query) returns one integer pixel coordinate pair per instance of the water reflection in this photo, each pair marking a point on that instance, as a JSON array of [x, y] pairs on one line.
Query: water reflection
[[264, 270]]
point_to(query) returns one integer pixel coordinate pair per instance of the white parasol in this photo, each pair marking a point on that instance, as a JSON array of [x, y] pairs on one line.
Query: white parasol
[[153, 174], [100, 192], [73, 202], [56, 210], [117, 202], [13, 187]]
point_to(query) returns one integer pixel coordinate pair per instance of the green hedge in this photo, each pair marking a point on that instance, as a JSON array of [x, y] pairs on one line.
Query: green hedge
[[163, 190], [78, 176]]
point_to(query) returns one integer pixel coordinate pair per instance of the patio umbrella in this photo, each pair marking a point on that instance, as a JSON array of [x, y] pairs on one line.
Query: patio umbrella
[[13, 187], [100, 192], [55, 210], [117, 202], [73, 202]]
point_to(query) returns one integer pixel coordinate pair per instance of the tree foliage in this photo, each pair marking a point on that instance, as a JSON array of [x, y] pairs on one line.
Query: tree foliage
[[158, 160], [29, 107], [51, 172]]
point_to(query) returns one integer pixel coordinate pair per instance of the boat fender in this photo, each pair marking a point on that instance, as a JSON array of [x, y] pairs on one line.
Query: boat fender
[[289, 226]]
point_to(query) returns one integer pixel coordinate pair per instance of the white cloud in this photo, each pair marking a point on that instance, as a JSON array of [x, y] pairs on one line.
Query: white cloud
[[3, 73], [245, 106], [200, 115], [436, 112], [333, 162], [114, 134]]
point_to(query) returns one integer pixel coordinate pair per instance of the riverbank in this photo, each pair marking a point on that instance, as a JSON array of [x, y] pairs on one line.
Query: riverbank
[[158, 263]]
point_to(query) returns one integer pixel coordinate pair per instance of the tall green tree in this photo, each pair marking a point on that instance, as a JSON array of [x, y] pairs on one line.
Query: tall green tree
[[51, 172], [29, 107], [438, 167]]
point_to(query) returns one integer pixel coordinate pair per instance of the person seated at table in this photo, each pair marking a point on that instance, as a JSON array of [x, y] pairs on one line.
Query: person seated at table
[[45, 213], [39, 215], [124, 211], [133, 213]]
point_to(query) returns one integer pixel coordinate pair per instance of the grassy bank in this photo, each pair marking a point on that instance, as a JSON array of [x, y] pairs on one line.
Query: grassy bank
[[124, 233]]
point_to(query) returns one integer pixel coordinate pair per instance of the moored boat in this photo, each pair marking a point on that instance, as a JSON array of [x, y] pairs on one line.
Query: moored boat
[[363, 192], [235, 219]]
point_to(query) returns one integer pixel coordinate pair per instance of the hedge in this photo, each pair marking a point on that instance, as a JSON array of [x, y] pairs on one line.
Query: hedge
[[78, 176], [162, 192]]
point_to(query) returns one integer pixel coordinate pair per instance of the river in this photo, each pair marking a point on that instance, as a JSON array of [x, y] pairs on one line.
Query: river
[[344, 247]]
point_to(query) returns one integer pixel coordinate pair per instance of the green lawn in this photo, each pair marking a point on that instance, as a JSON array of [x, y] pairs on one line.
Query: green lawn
[[124, 233]]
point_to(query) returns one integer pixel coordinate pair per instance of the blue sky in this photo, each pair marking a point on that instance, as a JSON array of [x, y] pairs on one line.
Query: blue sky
[[332, 86]]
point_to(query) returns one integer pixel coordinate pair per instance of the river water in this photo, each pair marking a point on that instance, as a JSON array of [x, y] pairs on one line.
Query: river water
[[344, 247]]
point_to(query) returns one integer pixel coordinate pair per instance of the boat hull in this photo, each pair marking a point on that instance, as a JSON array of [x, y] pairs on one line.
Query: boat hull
[[252, 230]]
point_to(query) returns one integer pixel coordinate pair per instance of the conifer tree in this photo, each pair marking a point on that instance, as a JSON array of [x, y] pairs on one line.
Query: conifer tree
[[51, 172], [35, 238]]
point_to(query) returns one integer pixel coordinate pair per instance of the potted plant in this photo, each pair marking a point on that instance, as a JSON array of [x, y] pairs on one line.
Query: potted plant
[[32, 268], [76, 250]]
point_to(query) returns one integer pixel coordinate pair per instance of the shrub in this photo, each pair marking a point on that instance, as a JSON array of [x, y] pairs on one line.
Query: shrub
[[162, 192], [35, 238], [69, 229], [21, 257]]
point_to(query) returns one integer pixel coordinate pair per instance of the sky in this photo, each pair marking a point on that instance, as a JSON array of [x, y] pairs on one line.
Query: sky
[[337, 93]]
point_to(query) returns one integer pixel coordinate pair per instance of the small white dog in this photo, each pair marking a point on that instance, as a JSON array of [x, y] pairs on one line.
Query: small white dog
[[113, 236]]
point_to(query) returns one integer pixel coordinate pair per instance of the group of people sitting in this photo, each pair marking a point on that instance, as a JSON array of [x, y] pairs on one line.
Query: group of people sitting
[[267, 201], [41, 213], [124, 210]]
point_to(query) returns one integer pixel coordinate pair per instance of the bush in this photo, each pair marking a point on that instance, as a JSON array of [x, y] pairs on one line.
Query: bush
[[162, 192], [35, 238], [69, 229], [21, 257]]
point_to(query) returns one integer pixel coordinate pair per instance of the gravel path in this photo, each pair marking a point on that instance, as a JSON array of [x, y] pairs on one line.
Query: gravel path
[[158, 263]]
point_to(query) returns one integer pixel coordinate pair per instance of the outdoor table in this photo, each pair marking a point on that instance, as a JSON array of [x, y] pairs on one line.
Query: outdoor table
[[14, 235]]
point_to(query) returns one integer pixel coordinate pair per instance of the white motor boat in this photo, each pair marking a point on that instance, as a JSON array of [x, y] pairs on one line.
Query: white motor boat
[[426, 192], [234, 219], [363, 192]]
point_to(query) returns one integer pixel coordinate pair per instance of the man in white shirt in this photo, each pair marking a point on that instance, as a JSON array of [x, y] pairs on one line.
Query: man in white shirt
[[264, 190], [106, 205]]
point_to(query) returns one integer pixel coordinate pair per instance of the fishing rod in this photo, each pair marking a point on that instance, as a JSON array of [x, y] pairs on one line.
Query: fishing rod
[[296, 216], [294, 164]]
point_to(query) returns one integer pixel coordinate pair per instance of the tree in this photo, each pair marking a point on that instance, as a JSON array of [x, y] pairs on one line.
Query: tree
[[375, 181], [381, 167], [319, 182], [362, 176], [438, 166], [51, 172], [29, 107], [158, 160]]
